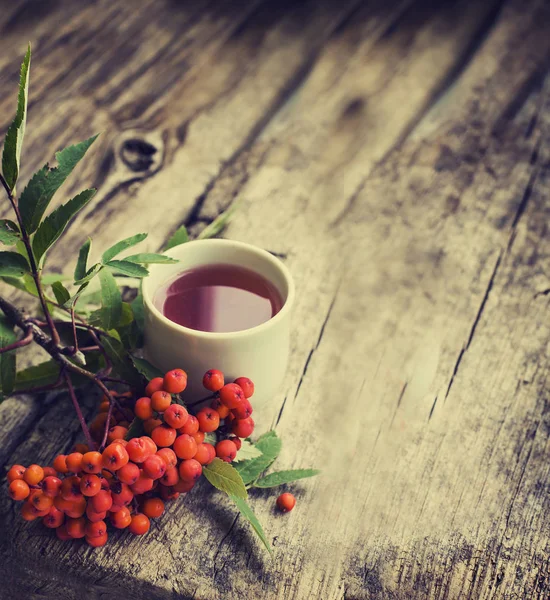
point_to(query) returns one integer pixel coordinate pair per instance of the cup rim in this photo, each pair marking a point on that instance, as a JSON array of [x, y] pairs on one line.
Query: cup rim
[[224, 335]]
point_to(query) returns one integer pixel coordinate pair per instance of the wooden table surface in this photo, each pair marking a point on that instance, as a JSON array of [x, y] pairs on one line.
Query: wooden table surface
[[396, 156]]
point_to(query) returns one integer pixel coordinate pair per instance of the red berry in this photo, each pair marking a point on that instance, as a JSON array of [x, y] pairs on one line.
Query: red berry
[[93, 516], [171, 476], [168, 456], [54, 518], [237, 441], [62, 533], [231, 395], [97, 542], [152, 447], [246, 385], [19, 490], [116, 433], [122, 518], [129, 473], [90, 484], [163, 435], [153, 507], [244, 410], [16, 472], [183, 486], [220, 408], [175, 416], [91, 462], [185, 446], [33, 475], [226, 450], [160, 401], [213, 380], [121, 493], [155, 385], [198, 437], [191, 426], [150, 424], [209, 420], [76, 528], [138, 450], [74, 462], [204, 455], [243, 427], [140, 524], [41, 502], [49, 472], [143, 408], [190, 470], [154, 467], [168, 492], [27, 512], [70, 489], [175, 381], [142, 485], [96, 529], [101, 502], [286, 502], [115, 456]]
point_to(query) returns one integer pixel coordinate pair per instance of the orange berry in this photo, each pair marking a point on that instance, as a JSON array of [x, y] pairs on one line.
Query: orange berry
[[170, 477], [209, 420], [27, 512], [41, 502], [49, 472], [142, 485], [115, 456], [150, 424], [19, 490], [140, 524], [90, 484], [153, 507], [97, 542], [183, 486], [54, 518], [51, 485], [74, 461], [163, 435], [96, 529], [185, 446], [82, 448], [175, 381], [176, 416], [104, 406], [143, 408], [286, 502], [116, 433], [168, 456], [129, 473], [76, 528], [94, 516], [160, 401], [60, 464], [122, 518], [62, 533], [191, 426], [34, 474], [198, 437], [220, 408], [15, 472], [91, 462], [155, 385]]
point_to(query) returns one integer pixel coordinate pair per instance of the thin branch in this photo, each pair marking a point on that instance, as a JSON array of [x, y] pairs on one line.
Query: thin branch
[[79, 414], [19, 343], [115, 380]]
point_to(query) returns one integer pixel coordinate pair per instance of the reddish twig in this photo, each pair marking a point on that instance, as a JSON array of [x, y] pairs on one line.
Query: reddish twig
[[79, 414], [25, 341]]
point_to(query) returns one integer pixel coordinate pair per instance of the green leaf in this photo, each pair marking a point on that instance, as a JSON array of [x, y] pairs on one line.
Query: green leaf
[[9, 232], [139, 312], [270, 447], [7, 359], [121, 246], [219, 223], [90, 274], [84, 252], [247, 452], [13, 143], [111, 300], [54, 224], [39, 375], [122, 363], [225, 477], [40, 190], [60, 292], [127, 315], [180, 236], [210, 438], [13, 264], [135, 429], [281, 477], [148, 370], [127, 268], [149, 258], [249, 515]]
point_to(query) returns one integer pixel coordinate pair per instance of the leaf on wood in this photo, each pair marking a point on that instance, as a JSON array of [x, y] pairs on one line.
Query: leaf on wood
[[226, 478], [111, 300], [13, 143], [249, 515], [148, 370], [119, 247], [247, 452], [9, 232], [128, 268], [7, 359], [84, 252], [54, 224], [42, 186], [39, 375], [179, 237], [282, 477], [13, 264], [270, 447], [60, 292]]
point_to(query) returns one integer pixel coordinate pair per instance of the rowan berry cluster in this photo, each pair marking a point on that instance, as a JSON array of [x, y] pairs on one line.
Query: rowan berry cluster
[[130, 480]]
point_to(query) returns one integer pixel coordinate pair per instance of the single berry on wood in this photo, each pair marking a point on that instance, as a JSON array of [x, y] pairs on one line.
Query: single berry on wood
[[153, 507], [213, 380], [286, 502], [140, 524]]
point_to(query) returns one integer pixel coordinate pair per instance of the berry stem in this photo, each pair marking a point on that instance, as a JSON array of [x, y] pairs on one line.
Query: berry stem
[[197, 402], [25, 341], [79, 414]]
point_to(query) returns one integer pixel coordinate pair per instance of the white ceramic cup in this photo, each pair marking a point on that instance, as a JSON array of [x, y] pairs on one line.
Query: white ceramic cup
[[260, 353]]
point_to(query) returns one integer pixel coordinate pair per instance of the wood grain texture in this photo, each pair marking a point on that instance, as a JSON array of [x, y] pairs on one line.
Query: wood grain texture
[[395, 156]]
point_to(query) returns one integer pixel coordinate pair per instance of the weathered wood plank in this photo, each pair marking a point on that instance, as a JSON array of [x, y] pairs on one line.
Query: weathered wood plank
[[418, 322]]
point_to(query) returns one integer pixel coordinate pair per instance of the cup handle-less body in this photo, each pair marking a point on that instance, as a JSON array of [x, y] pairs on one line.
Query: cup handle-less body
[[260, 353]]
